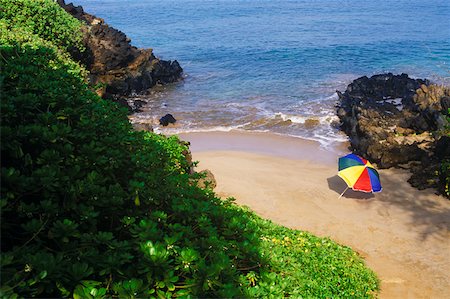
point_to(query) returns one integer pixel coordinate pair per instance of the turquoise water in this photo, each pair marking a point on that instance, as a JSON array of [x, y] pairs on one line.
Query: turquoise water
[[275, 65]]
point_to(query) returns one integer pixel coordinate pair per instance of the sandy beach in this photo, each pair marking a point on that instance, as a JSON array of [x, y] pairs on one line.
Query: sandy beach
[[403, 233]]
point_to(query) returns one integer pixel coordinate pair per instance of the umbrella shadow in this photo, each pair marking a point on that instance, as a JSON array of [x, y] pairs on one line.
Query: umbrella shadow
[[336, 184]]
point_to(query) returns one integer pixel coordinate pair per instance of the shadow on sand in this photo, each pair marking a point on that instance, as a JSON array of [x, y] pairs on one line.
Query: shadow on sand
[[336, 184], [430, 214]]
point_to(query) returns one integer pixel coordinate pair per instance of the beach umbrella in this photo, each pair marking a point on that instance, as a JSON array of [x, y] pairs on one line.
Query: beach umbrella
[[359, 174]]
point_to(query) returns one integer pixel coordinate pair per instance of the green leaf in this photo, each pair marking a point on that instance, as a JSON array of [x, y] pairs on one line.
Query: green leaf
[[137, 202], [43, 274], [81, 292]]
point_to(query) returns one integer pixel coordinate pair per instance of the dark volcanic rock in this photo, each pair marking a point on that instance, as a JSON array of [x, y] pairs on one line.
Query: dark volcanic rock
[[112, 60], [445, 103], [379, 86], [136, 105], [121, 101], [424, 175], [442, 150], [167, 119], [391, 120], [131, 104]]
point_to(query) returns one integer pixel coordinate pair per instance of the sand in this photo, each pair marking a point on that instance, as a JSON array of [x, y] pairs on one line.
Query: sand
[[402, 233]]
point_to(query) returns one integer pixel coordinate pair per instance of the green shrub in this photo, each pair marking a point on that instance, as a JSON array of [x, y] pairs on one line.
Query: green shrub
[[88, 205], [17, 36], [444, 167], [92, 209], [301, 265], [45, 19], [444, 177]]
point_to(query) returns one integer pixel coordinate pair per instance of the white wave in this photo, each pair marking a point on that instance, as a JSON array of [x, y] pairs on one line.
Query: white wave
[[257, 115], [325, 142], [292, 118], [327, 137], [332, 97], [328, 140], [187, 129], [301, 119]]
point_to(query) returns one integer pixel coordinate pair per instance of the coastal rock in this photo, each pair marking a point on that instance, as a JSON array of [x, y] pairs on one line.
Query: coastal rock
[[188, 155], [131, 104], [310, 122], [424, 176], [442, 150], [121, 101], [207, 179], [204, 178], [392, 120], [142, 127], [114, 62], [167, 119], [445, 103], [136, 105]]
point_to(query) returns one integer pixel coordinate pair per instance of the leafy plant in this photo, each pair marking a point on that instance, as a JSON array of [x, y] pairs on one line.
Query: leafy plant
[[444, 168], [45, 19], [302, 265], [92, 209], [444, 176], [86, 198]]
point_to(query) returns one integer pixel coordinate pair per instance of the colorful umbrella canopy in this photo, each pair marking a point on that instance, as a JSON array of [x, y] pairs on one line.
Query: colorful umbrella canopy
[[359, 174]]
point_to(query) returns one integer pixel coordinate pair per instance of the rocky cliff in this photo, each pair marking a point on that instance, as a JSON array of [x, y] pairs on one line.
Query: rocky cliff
[[111, 59], [394, 120]]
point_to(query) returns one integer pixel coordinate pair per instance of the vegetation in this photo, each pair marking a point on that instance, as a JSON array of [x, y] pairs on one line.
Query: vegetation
[[301, 265], [43, 18], [444, 169], [444, 176], [92, 209]]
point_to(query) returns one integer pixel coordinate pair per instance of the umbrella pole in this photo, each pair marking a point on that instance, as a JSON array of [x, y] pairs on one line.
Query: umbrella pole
[[343, 193]]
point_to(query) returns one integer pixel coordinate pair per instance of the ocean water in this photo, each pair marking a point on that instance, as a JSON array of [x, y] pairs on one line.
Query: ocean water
[[274, 65]]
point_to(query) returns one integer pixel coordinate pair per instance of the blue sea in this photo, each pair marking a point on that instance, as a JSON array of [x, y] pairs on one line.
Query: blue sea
[[274, 65]]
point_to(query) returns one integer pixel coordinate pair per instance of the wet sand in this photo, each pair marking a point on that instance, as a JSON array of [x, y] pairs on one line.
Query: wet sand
[[403, 233]]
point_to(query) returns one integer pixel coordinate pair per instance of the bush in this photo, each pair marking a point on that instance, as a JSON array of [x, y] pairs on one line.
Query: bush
[[444, 177], [43, 18], [444, 166], [301, 265], [92, 209], [92, 206]]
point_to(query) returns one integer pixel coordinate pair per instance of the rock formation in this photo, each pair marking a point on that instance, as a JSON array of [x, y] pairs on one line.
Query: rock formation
[[120, 69], [207, 179], [114, 63], [203, 178], [393, 120], [166, 120], [142, 127]]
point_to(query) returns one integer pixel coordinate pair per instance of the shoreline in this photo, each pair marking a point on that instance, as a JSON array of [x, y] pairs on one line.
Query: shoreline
[[264, 143], [403, 233]]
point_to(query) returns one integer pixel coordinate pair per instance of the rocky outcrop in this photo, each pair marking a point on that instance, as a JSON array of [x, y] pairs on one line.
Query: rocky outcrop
[[393, 119], [166, 120], [207, 179], [204, 178], [119, 67], [142, 127]]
